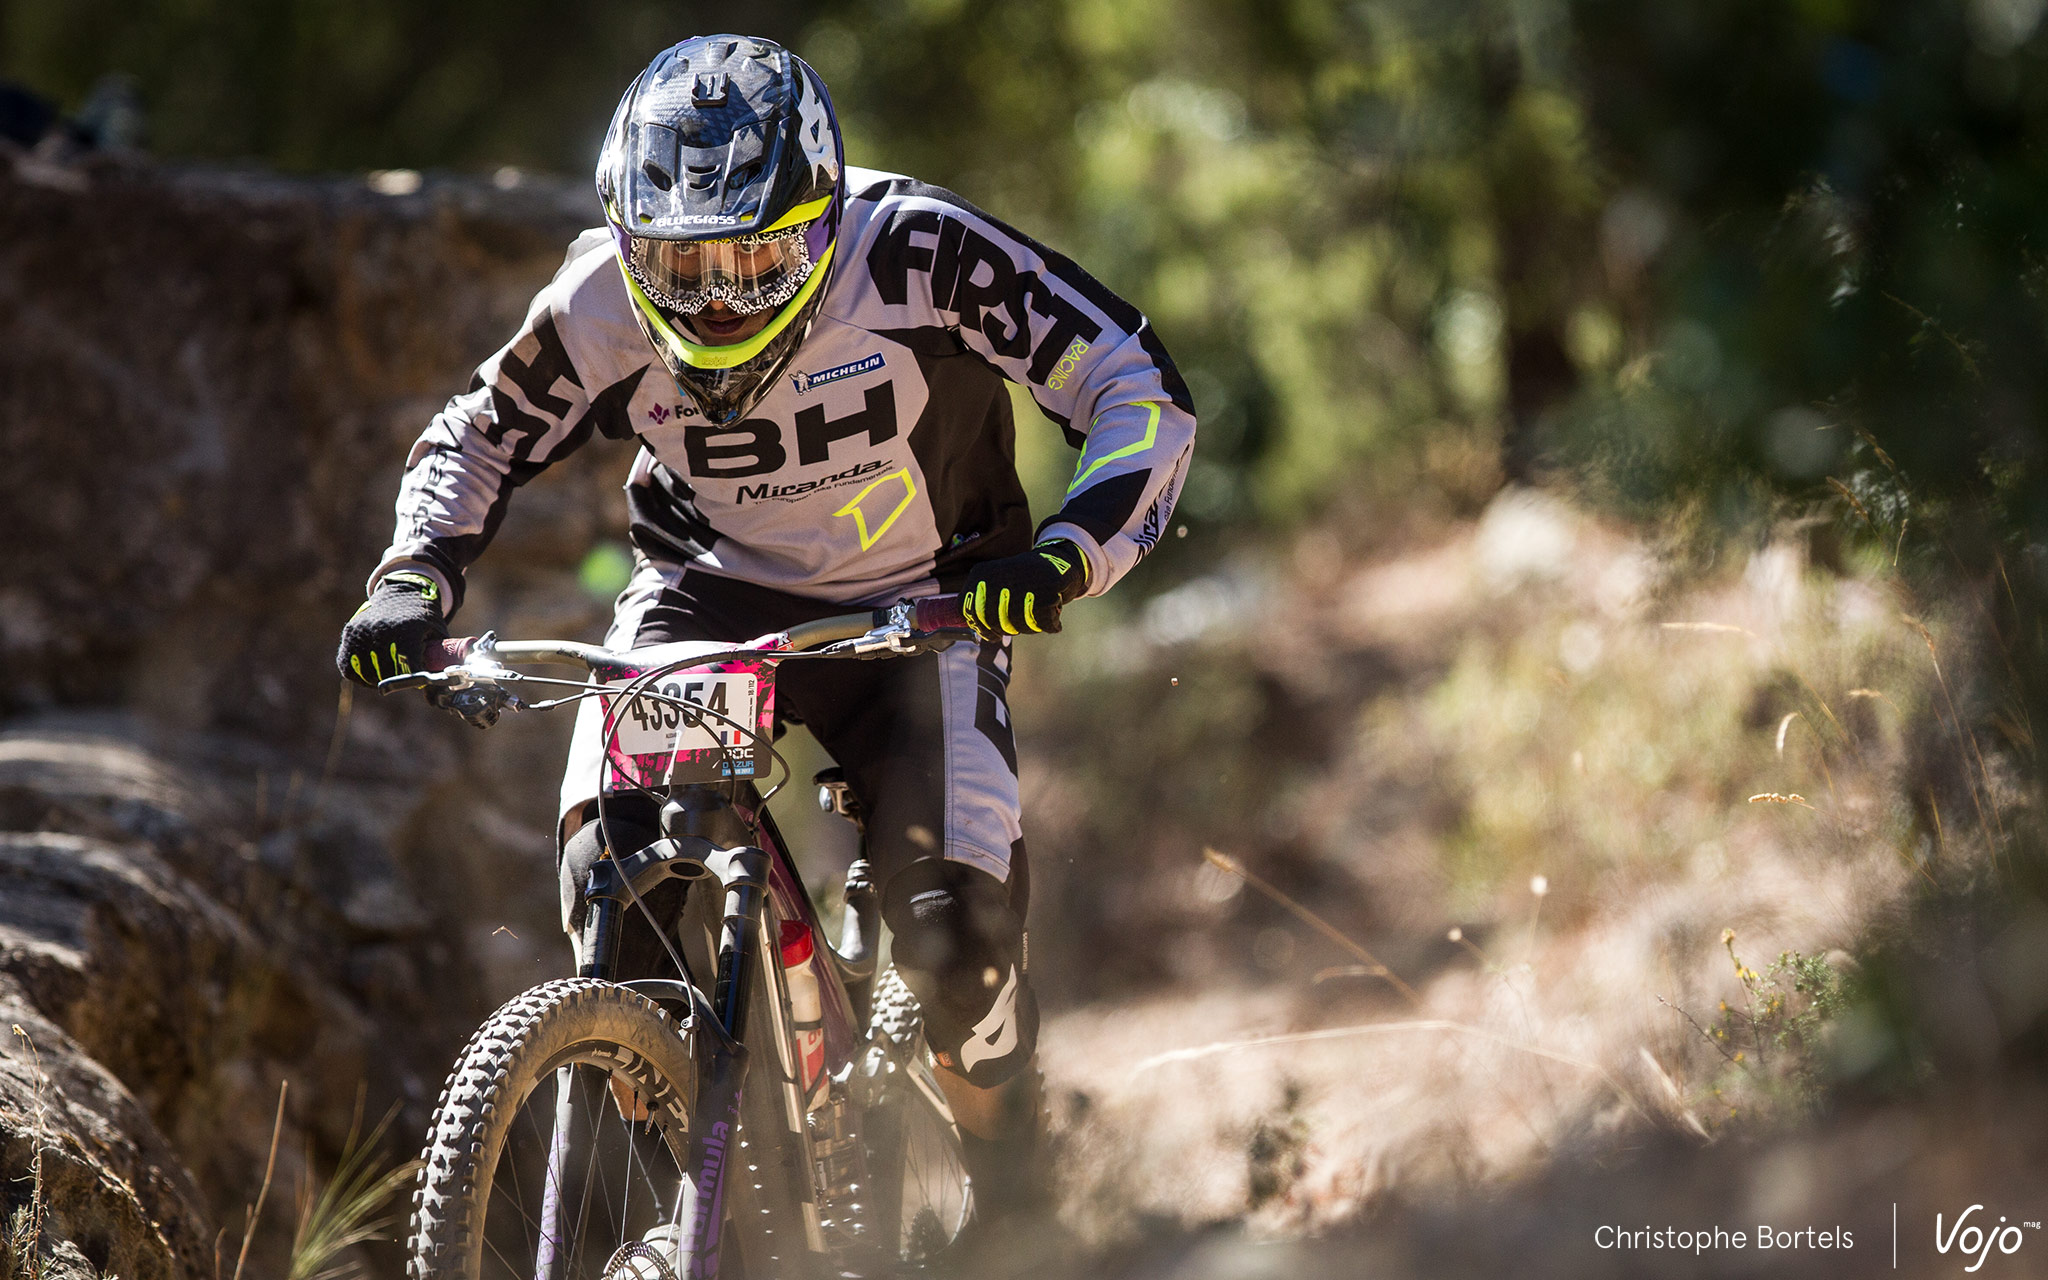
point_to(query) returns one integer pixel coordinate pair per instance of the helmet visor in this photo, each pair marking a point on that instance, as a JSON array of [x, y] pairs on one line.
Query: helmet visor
[[749, 274]]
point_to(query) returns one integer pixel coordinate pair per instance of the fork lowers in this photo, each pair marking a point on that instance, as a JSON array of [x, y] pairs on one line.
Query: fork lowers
[[600, 945]]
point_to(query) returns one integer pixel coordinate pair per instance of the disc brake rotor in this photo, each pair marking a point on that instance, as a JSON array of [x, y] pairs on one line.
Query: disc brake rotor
[[638, 1261]]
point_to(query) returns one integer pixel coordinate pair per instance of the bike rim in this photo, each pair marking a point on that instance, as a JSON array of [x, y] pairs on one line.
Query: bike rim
[[937, 1196], [577, 1182]]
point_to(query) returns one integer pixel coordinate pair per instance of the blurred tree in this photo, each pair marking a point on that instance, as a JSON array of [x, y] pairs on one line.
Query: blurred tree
[[1726, 253], [1334, 211], [353, 84], [1836, 209]]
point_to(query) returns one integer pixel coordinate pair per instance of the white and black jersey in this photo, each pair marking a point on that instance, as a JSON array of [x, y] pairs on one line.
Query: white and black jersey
[[880, 465]]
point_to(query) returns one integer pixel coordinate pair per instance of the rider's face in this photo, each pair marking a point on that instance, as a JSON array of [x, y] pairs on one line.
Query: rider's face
[[718, 325]]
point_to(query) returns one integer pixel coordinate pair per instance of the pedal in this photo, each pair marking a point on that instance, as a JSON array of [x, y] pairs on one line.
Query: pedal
[[835, 795]]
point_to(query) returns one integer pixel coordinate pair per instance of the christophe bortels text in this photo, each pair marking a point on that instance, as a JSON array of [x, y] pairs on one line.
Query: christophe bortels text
[[1704, 1239]]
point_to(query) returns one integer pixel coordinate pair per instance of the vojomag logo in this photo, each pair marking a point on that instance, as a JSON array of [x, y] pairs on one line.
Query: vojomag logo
[[1978, 1239]]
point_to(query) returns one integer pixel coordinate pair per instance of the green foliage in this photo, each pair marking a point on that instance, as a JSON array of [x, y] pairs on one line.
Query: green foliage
[[1775, 1039], [606, 570], [23, 1238], [1581, 748], [1828, 211], [1727, 253], [319, 84]]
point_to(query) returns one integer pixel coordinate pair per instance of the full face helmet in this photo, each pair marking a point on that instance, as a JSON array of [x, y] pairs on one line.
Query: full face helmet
[[722, 180]]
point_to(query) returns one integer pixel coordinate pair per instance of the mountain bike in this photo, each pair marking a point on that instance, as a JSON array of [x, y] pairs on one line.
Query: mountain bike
[[628, 1127]]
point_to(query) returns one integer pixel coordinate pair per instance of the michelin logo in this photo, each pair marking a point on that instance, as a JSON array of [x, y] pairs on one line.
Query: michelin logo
[[810, 381]]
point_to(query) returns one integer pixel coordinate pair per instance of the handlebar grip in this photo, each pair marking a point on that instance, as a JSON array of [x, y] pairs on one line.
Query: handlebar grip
[[443, 654], [941, 613]]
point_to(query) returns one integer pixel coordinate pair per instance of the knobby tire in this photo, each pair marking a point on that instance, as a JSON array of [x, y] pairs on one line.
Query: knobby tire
[[921, 1200], [473, 1219]]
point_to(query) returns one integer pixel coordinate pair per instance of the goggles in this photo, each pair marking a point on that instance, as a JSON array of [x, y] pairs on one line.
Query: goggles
[[749, 274]]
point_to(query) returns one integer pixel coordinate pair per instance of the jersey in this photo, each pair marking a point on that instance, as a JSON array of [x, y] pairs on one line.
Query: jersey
[[880, 465]]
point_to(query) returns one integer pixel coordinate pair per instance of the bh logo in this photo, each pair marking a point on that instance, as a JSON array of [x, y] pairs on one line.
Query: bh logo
[[1977, 1240]]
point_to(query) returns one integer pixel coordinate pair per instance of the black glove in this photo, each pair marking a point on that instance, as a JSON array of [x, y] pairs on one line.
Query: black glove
[[1020, 594], [389, 635]]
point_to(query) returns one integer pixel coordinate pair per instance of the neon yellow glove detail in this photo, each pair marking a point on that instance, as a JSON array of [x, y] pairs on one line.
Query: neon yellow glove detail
[[1039, 583]]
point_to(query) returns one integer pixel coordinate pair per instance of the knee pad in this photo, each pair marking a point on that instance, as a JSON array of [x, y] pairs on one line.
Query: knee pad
[[580, 853], [961, 951], [631, 824]]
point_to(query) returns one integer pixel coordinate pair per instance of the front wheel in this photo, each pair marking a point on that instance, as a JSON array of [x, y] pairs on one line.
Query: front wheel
[[559, 1146]]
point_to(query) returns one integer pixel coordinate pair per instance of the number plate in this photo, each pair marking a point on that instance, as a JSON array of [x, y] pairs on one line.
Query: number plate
[[650, 727]]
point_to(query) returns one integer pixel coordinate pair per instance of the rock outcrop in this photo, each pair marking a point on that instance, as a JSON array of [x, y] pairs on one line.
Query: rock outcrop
[[213, 876]]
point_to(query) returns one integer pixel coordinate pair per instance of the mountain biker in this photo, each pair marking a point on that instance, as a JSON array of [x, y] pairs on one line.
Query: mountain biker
[[812, 360]]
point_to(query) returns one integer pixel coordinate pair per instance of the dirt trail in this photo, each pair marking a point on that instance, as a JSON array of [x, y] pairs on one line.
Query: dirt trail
[[1569, 1052]]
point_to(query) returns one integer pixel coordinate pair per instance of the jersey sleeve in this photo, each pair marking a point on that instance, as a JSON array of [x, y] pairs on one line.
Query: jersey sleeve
[[529, 405], [1090, 360]]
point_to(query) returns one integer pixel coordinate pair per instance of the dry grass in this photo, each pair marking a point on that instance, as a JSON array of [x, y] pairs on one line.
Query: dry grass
[[24, 1234], [255, 1213], [349, 1210], [346, 1212]]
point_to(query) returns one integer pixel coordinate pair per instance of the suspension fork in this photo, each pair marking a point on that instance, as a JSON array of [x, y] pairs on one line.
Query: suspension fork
[[714, 1130], [600, 945], [743, 873]]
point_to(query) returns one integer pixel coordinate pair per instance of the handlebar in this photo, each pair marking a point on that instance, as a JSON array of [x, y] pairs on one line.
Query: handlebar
[[467, 674], [940, 613], [932, 615]]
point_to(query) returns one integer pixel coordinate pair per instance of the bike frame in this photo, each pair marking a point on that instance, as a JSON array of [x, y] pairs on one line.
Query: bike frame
[[759, 883], [710, 831]]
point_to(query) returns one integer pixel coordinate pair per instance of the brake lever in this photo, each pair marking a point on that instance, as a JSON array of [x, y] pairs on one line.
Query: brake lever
[[455, 689], [890, 642], [411, 680], [901, 635]]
